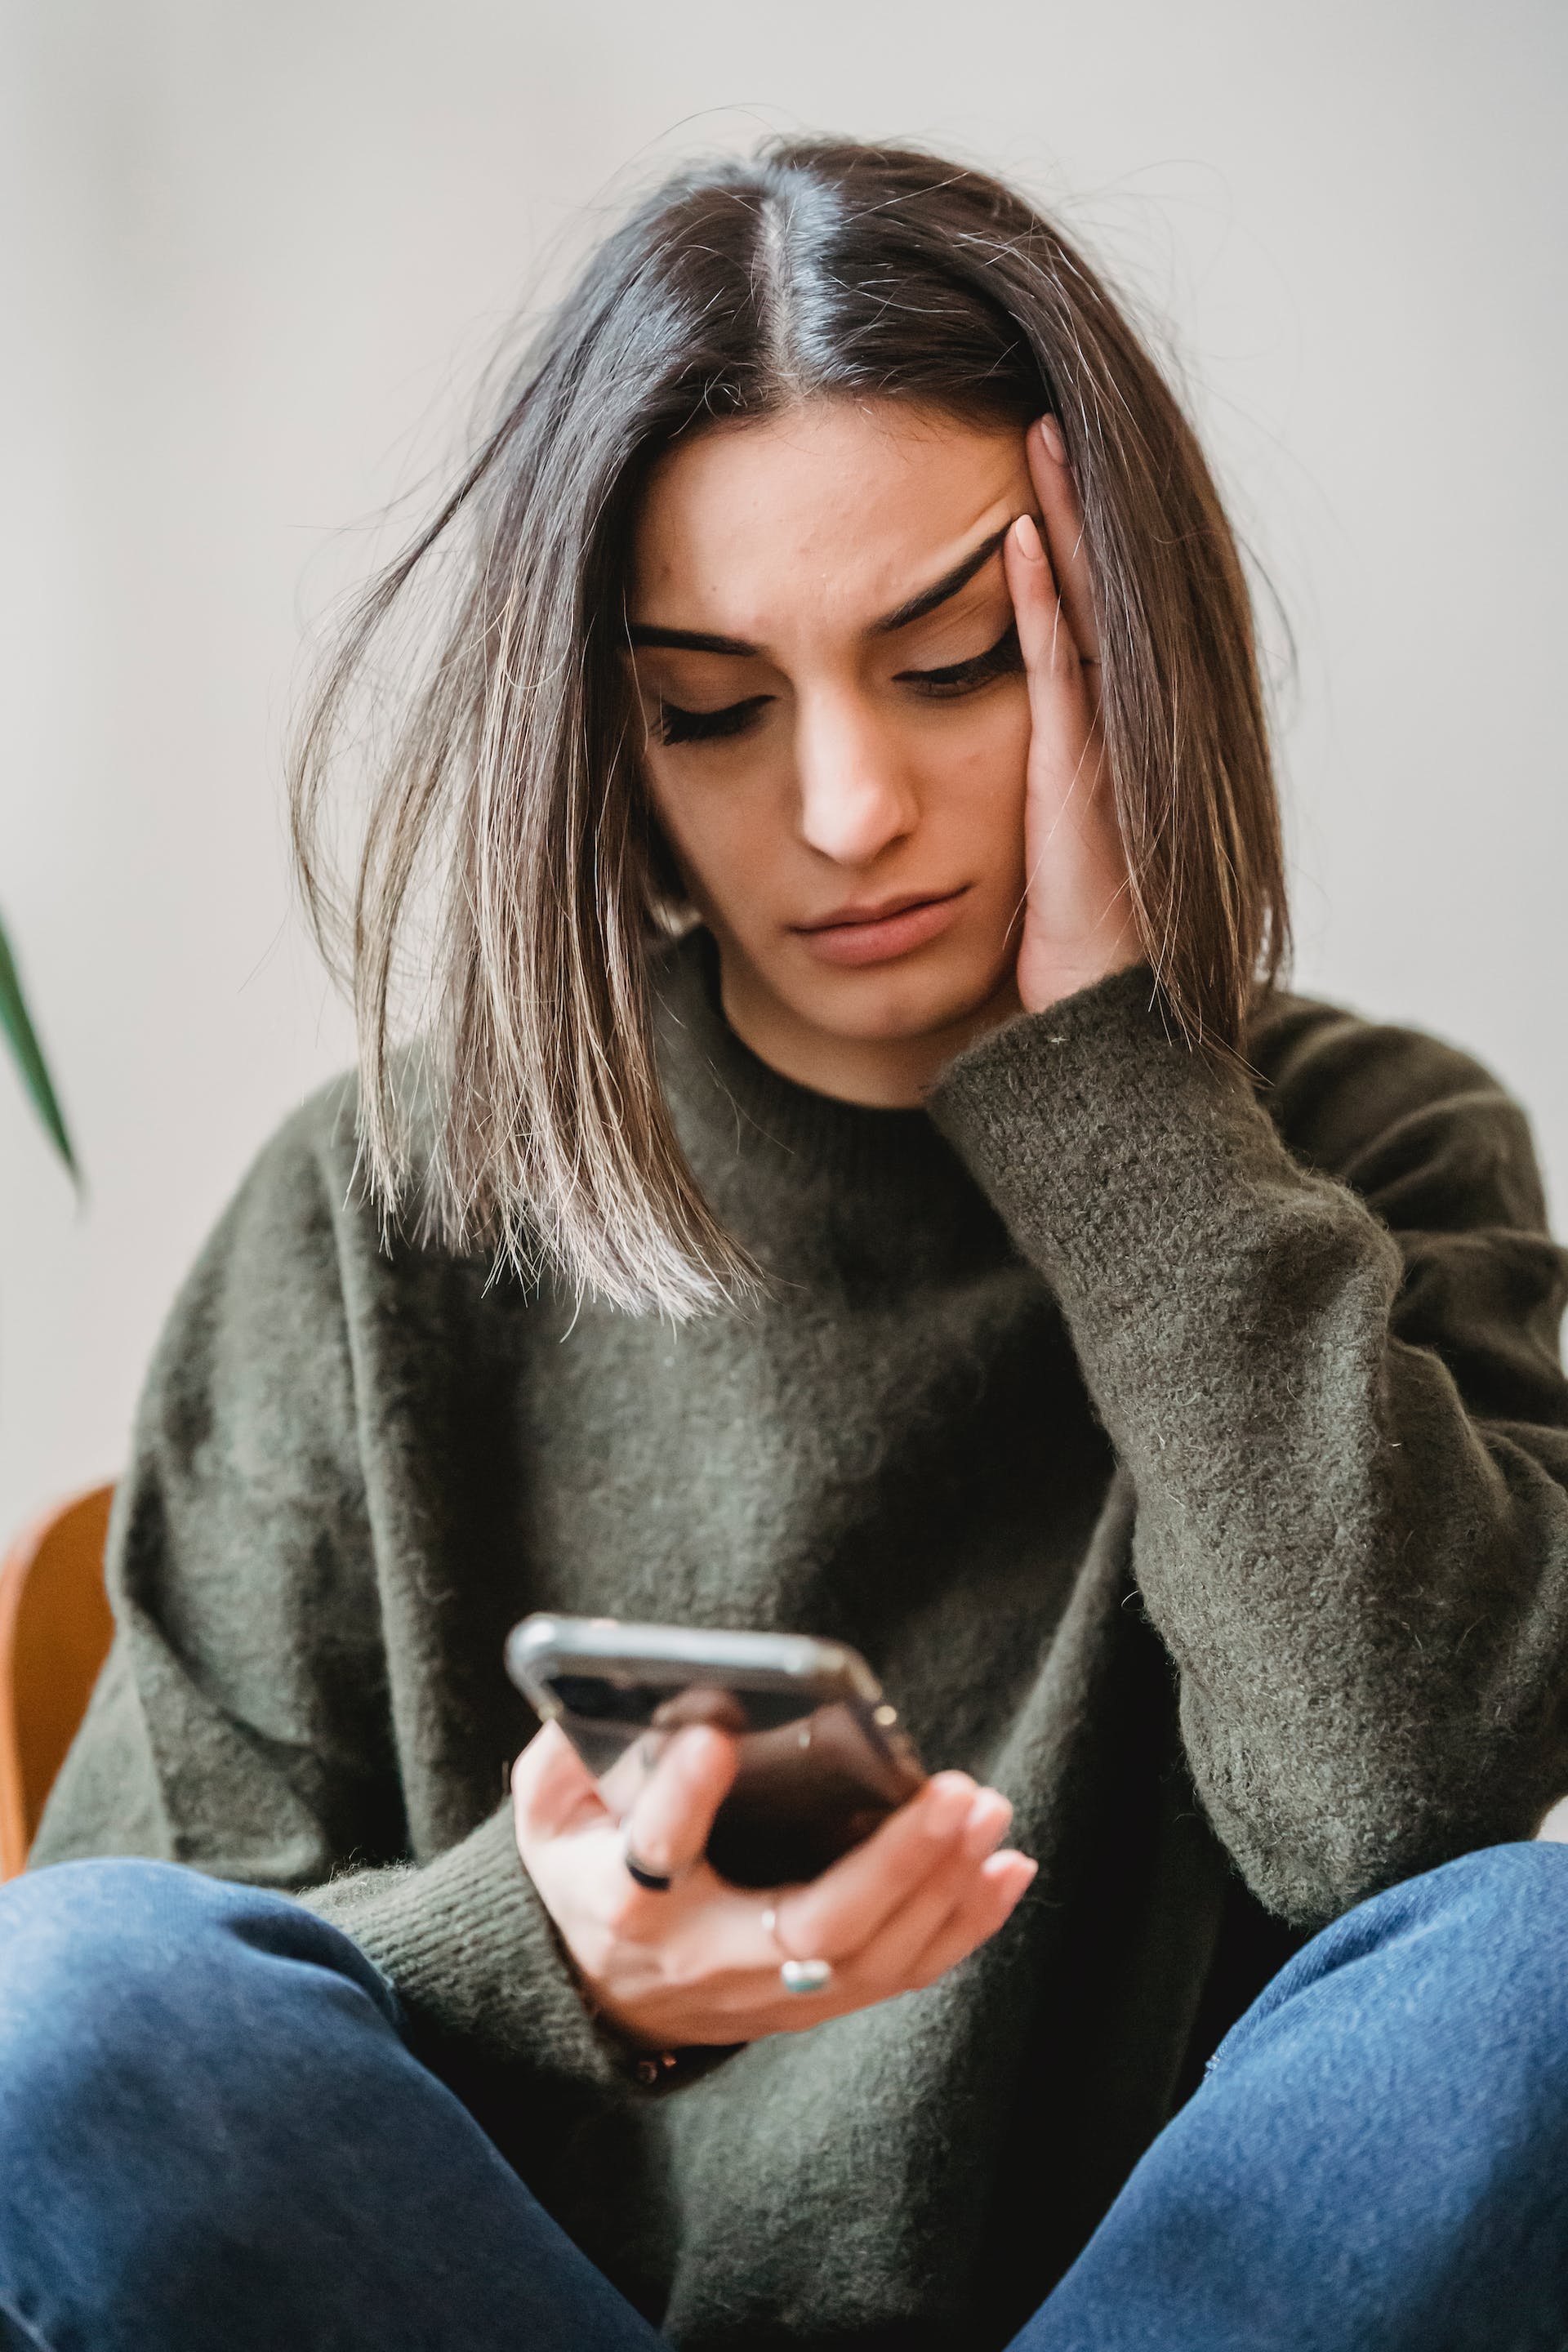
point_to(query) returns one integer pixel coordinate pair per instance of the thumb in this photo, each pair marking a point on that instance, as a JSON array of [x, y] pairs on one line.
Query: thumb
[[666, 1827], [553, 1789]]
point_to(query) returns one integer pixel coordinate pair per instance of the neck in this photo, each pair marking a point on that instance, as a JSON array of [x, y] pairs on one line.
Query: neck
[[883, 1073]]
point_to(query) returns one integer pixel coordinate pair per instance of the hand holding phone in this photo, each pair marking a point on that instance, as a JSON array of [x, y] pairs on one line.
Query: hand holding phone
[[823, 1757], [695, 1965]]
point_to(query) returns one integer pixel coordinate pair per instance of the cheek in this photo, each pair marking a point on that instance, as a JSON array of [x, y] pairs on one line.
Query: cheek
[[976, 777], [721, 834]]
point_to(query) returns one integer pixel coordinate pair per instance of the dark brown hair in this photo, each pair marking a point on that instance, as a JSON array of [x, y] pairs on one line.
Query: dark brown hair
[[813, 269]]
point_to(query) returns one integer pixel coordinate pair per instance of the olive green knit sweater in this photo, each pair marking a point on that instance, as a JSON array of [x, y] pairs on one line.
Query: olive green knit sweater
[[1190, 1458]]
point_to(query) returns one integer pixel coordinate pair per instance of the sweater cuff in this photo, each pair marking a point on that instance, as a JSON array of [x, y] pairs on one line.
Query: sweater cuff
[[473, 1954], [1103, 1140]]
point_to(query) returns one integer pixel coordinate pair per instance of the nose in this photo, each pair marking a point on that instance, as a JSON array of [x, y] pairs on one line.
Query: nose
[[856, 794]]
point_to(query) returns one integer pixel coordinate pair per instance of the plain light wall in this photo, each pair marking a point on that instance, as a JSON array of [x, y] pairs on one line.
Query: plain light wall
[[255, 258]]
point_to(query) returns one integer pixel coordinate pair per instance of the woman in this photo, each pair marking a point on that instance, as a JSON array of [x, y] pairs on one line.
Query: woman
[[865, 1179]]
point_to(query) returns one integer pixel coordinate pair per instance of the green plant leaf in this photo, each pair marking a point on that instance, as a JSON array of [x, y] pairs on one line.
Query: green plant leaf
[[18, 1025]]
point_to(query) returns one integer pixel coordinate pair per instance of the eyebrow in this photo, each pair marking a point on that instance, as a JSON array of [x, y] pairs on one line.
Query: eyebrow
[[699, 641]]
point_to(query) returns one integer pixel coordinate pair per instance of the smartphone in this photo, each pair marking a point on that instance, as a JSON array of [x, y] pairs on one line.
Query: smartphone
[[823, 1756]]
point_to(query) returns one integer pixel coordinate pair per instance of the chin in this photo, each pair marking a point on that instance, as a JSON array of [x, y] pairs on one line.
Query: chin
[[900, 1001]]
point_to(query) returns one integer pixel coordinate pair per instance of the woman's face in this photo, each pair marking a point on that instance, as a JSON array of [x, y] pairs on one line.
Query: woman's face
[[837, 726]]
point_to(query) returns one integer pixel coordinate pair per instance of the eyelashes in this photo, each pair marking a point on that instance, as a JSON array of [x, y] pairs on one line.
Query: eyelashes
[[1003, 659], [678, 726]]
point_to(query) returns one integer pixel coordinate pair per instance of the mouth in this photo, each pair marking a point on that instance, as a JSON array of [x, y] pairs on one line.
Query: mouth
[[875, 934]]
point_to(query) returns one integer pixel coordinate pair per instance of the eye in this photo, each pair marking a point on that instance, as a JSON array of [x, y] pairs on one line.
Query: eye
[[1003, 659], [678, 726]]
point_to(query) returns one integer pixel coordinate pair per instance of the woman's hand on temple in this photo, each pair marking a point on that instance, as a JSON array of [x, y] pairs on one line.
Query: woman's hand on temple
[[695, 1964], [1078, 918]]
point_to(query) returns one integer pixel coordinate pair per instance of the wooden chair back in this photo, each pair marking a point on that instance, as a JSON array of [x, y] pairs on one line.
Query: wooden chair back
[[55, 1631]]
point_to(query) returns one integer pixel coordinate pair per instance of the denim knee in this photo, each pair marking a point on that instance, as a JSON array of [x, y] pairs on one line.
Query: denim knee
[[1472, 1956], [115, 1973], [214, 2134]]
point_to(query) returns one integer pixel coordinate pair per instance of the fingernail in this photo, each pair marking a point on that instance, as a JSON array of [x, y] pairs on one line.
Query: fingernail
[[1027, 538], [988, 1818], [946, 1807], [1051, 434], [692, 1746], [1003, 1869]]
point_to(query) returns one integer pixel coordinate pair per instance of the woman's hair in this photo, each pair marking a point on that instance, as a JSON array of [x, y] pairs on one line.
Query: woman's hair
[[815, 268]]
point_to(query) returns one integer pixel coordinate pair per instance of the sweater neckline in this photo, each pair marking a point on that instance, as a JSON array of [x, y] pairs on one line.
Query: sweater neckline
[[849, 1136]]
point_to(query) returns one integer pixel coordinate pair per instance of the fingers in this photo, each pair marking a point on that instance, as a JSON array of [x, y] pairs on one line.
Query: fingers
[[892, 1952], [697, 1962], [1051, 662], [1065, 751], [667, 1828], [555, 1797], [1005, 1879], [965, 1896], [838, 1915], [1080, 921], [1064, 533]]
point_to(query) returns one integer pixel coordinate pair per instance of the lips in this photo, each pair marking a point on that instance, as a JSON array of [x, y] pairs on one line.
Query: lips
[[879, 913], [868, 935]]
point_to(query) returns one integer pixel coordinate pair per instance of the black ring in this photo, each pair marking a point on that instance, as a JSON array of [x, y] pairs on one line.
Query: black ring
[[656, 1880]]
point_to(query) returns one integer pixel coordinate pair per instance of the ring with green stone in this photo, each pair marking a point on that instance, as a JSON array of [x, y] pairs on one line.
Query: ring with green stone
[[796, 1975]]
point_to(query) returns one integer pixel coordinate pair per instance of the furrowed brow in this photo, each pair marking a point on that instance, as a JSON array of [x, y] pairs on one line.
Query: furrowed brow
[[941, 589], [699, 641], [687, 641]]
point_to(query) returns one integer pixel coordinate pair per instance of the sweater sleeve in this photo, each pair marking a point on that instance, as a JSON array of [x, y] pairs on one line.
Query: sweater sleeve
[[242, 1723], [1330, 1368]]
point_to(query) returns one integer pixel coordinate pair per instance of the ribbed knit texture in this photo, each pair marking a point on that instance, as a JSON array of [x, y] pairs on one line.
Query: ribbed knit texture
[[1188, 1454]]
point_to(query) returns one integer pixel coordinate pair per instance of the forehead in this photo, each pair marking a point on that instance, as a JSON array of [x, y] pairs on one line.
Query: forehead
[[827, 515]]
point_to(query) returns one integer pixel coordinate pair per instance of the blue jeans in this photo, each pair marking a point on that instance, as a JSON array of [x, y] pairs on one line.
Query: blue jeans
[[212, 2135]]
